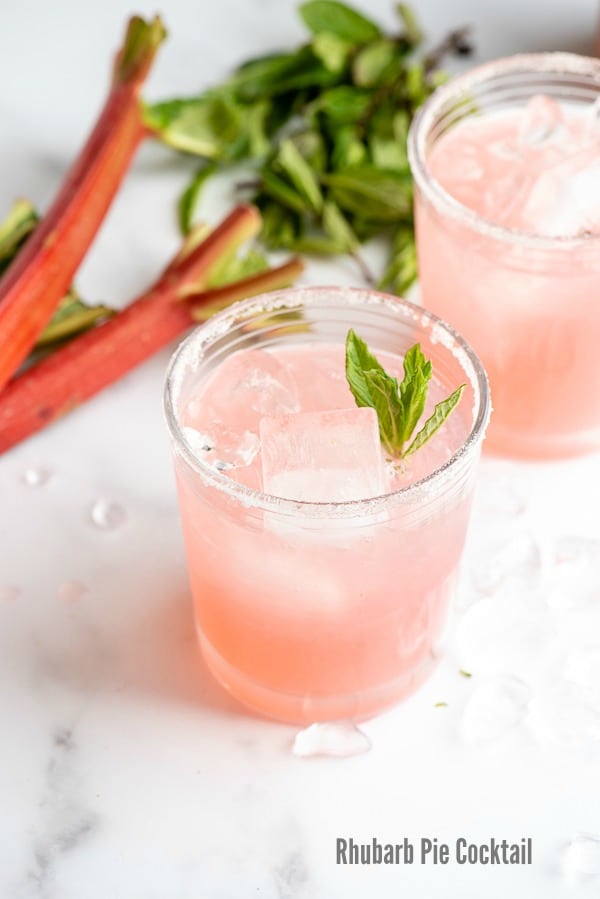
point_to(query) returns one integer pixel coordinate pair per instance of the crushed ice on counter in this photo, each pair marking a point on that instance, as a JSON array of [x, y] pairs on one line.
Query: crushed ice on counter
[[107, 515], [340, 739], [36, 476], [508, 562], [495, 708], [575, 580], [224, 448], [9, 593], [71, 591], [502, 634], [332, 456], [582, 855], [563, 711]]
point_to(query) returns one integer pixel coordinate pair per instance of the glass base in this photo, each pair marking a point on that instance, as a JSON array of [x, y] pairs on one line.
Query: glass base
[[306, 709]]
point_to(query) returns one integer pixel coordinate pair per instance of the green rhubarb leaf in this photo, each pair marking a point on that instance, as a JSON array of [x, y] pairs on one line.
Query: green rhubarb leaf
[[71, 318], [15, 229], [191, 195]]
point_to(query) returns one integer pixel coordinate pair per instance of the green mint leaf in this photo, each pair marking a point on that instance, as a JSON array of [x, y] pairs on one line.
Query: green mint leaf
[[339, 19], [207, 126], [281, 191], [191, 195], [388, 153], [371, 63], [401, 271], [383, 391], [279, 225], [348, 149], [337, 227], [436, 420], [412, 29], [413, 389], [343, 105], [359, 360], [398, 407], [372, 194], [300, 174], [332, 50]]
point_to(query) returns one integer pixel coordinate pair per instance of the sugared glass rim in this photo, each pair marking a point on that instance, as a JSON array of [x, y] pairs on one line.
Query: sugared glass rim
[[455, 90], [191, 352]]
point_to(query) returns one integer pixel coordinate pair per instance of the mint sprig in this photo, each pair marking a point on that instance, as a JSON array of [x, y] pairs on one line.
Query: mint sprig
[[399, 406]]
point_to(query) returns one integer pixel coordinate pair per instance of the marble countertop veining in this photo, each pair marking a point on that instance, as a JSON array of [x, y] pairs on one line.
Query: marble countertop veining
[[125, 771]]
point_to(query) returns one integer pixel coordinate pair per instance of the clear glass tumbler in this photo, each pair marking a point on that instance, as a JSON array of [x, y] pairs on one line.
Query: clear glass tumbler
[[309, 611], [527, 303]]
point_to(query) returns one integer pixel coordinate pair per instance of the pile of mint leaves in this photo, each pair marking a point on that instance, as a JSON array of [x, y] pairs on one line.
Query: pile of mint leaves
[[324, 128]]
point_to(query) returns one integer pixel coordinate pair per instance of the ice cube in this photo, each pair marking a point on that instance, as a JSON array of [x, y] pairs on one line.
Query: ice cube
[[576, 573], [332, 456], [332, 738], [565, 712], [495, 708], [582, 855], [565, 198], [542, 121], [245, 387], [223, 447]]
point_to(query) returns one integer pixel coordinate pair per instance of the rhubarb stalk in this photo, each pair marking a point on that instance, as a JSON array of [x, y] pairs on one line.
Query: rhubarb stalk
[[99, 357], [41, 274]]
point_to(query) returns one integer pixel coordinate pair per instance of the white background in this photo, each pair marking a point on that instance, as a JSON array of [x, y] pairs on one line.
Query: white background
[[124, 771]]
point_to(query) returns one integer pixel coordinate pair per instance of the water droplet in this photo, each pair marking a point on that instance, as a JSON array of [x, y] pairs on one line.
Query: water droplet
[[71, 591], [495, 708], [36, 476], [575, 581], [335, 738], [107, 515], [582, 854], [8, 593]]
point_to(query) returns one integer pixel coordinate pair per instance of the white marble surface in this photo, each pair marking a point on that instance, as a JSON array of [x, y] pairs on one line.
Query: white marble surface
[[125, 771]]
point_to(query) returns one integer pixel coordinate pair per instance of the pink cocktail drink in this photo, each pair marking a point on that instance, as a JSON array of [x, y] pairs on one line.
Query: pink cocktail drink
[[507, 170], [321, 573]]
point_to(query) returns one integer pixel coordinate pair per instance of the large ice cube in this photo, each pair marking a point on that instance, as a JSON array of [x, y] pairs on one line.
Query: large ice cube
[[542, 121], [245, 387], [565, 199], [331, 456]]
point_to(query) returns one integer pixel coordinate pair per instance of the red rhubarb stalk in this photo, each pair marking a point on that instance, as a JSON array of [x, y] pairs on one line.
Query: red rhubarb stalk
[[41, 274], [91, 362]]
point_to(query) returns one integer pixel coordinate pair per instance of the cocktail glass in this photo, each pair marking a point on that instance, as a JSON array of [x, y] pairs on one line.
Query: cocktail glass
[[311, 611], [527, 303]]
